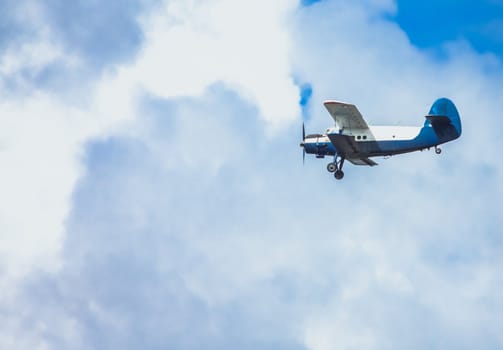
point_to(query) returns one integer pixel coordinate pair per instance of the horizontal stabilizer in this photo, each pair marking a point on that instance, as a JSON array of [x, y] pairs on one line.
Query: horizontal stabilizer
[[444, 118], [438, 119]]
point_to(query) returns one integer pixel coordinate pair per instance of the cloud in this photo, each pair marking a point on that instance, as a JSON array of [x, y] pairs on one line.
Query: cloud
[[191, 45], [195, 226], [170, 267], [167, 65], [47, 116], [100, 33]]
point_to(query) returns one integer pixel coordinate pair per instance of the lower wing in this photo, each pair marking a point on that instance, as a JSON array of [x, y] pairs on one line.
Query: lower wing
[[348, 148]]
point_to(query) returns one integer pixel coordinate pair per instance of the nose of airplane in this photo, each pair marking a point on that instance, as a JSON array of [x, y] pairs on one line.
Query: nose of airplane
[[302, 144]]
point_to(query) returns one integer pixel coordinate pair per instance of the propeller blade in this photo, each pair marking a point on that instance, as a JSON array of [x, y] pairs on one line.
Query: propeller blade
[[303, 149]]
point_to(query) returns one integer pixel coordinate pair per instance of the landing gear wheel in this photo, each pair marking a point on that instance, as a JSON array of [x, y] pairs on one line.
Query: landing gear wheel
[[339, 174], [331, 167], [438, 150]]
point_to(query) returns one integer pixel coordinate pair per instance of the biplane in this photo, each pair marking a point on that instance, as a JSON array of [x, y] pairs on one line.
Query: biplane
[[352, 139]]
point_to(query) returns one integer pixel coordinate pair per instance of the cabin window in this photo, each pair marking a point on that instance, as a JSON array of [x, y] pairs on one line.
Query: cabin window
[[364, 137], [358, 137]]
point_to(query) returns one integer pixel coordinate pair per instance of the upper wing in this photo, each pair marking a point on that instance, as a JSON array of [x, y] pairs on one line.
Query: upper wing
[[346, 115]]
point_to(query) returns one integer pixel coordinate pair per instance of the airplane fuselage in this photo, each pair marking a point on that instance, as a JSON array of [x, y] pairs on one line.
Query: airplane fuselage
[[375, 141]]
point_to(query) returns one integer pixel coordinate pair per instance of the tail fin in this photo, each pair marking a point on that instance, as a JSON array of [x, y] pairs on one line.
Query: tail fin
[[444, 118]]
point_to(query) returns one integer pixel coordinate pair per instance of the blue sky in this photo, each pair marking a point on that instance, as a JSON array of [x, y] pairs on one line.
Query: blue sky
[[430, 23], [153, 192]]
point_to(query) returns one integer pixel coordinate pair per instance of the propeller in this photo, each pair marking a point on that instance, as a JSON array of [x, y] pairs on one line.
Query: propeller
[[302, 144]]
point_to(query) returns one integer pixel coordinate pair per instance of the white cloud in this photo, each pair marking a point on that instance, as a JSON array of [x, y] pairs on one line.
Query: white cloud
[[188, 46], [439, 203], [194, 229], [32, 56], [191, 45]]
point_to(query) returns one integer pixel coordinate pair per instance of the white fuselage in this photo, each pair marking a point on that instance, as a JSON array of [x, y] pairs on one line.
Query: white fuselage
[[379, 133]]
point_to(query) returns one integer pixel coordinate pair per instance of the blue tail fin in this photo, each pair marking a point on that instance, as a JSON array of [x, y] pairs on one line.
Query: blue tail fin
[[444, 118]]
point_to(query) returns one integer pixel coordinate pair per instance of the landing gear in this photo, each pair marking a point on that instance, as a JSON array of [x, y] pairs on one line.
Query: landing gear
[[437, 150], [336, 167]]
